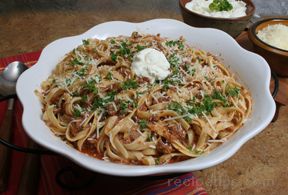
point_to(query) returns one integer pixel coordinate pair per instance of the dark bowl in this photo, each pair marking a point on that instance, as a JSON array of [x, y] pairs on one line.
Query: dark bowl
[[277, 58], [233, 26]]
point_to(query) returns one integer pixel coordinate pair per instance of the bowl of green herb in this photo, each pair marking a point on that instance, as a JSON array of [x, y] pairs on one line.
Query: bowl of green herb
[[231, 16]]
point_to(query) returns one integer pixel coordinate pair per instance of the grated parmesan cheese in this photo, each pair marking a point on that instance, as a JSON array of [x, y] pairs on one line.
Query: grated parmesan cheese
[[275, 35]]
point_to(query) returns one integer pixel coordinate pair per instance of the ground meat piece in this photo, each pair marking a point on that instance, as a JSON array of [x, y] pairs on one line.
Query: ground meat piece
[[163, 147], [111, 110], [177, 131], [133, 134], [125, 72], [164, 99], [143, 107], [114, 87], [142, 80], [75, 128]]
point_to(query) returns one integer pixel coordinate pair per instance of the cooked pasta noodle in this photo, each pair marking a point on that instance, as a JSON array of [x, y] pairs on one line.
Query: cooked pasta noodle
[[95, 102]]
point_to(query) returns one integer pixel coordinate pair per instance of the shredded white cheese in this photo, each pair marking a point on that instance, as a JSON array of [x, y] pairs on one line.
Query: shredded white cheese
[[275, 35]]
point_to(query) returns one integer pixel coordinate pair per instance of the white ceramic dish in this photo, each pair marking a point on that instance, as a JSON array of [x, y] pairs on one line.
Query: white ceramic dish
[[251, 68]]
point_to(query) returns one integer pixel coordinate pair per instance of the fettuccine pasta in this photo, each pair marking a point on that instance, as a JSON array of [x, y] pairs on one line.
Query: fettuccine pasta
[[95, 102]]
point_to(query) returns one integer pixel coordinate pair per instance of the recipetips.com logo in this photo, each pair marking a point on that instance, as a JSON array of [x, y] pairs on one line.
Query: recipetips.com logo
[[219, 180]]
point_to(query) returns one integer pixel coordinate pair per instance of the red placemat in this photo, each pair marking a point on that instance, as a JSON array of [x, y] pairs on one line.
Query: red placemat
[[78, 179]]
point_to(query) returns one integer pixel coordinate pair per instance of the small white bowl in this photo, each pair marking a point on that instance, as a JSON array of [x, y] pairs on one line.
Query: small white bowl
[[251, 68]]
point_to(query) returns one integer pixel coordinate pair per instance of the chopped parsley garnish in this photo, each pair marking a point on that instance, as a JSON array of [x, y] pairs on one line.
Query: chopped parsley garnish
[[129, 84], [84, 98], [67, 81], [77, 113], [123, 106], [170, 81], [190, 70], [124, 50], [206, 106], [177, 107], [139, 47], [218, 95], [85, 42], [75, 61], [113, 57], [90, 86], [110, 96], [233, 91], [101, 102], [174, 62], [109, 76], [220, 5], [112, 41], [142, 124], [98, 103], [173, 43], [81, 72]]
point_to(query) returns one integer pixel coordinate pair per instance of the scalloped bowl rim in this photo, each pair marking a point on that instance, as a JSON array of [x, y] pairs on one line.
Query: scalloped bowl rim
[[212, 40]]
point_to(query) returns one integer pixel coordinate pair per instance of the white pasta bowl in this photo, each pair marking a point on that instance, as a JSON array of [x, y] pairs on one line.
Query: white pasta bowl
[[252, 70]]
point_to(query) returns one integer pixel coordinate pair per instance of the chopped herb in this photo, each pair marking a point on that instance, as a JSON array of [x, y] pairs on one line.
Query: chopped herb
[[81, 72], [113, 57], [174, 62], [110, 96], [84, 98], [67, 81], [173, 43], [85, 42], [123, 106], [142, 124], [112, 41], [220, 5], [77, 113], [90, 86], [206, 106], [170, 43], [190, 70], [218, 95], [109, 76], [169, 81], [180, 45], [233, 91], [124, 50], [101, 102], [177, 107], [75, 61], [98, 103], [129, 84], [139, 47]]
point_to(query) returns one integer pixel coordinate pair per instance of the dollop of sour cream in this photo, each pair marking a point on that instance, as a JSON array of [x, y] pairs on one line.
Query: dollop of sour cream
[[151, 63], [202, 7]]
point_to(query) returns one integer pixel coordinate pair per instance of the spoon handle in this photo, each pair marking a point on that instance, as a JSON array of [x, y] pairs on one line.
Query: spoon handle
[[5, 153], [30, 175]]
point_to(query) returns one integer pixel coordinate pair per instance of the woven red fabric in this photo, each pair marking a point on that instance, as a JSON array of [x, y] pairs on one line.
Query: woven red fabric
[[55, 167]]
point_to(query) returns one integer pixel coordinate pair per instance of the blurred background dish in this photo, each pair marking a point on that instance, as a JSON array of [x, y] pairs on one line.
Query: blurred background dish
[[276, 57], [232, 26]]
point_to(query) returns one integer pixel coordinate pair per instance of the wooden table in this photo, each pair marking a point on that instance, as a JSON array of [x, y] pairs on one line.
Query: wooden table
[[260, 167]]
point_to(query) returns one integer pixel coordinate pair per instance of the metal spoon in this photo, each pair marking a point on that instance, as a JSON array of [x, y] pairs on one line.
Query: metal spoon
[[8, 80]]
